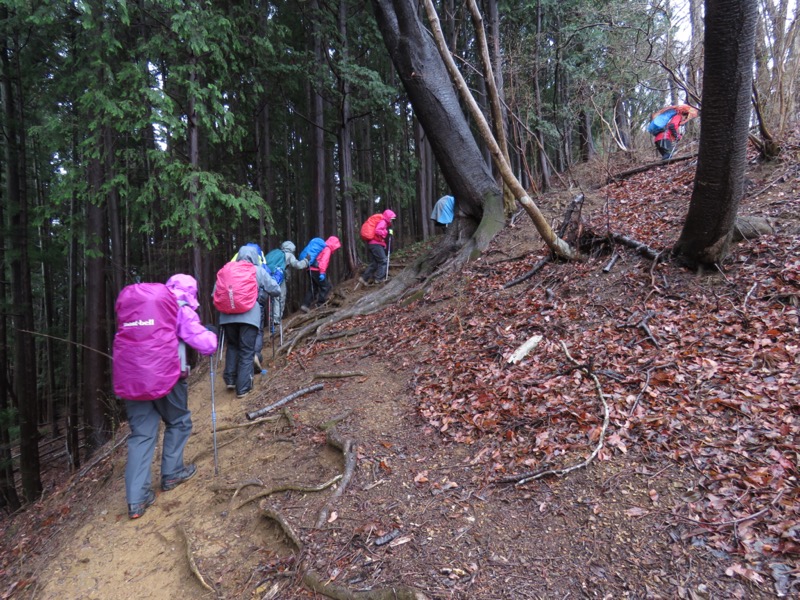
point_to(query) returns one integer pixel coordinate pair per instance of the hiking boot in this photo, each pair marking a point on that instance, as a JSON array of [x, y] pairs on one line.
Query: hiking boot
[[363, 281], [304, 308], [137, 510], [230, 387], [240, 395], [257, 362], [173, 481]]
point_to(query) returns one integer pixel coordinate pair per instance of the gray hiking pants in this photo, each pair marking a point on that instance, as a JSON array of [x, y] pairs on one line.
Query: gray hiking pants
[[241, 339], [376, 271], [144, 418]]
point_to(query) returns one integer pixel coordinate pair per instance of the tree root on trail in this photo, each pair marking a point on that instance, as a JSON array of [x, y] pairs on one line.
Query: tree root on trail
[[523, 478], [334, 420], [340, 334], [192, 563], [288, 487], [348, 450], [344, 348], [320, 585], [271, 419]]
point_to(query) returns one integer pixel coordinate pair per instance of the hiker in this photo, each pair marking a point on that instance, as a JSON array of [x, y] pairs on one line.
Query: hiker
[[283, 258], [667, 139], [144, 417], [262, 261], [241, 329], [321, 287], [443, 211], [377, 240]]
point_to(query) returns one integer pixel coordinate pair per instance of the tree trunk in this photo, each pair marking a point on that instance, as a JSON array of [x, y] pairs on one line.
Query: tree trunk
[[730, 41], [22, 294], [345, 154], [96, 409], [317, 134]]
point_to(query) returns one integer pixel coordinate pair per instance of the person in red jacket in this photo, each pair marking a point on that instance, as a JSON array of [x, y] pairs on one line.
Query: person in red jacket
[[667, 140], [321, 286], [378, 264]]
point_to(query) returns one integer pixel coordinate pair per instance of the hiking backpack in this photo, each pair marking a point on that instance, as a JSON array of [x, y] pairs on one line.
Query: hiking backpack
[[660, 121], [146, 362], [312, 250], [236, 290], [368, 228]]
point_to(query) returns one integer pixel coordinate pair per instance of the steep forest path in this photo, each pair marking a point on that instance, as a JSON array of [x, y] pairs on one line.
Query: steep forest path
[[693, 492]]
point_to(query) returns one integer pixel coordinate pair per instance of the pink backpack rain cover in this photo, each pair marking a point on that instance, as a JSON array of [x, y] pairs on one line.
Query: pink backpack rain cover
[[146, 361]]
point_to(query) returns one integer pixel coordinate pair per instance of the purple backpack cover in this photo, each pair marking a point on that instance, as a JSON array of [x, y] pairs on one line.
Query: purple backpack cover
[[146, 361]]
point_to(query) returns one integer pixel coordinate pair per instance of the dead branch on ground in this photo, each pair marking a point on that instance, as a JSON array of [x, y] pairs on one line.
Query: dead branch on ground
[[524, 478], [348, 451], [536, 268], [647, 167], [262, 411], [341, 375], [640, 247], [192, 564]]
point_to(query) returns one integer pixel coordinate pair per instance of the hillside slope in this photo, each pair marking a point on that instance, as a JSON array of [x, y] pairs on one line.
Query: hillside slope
[[692, 492]]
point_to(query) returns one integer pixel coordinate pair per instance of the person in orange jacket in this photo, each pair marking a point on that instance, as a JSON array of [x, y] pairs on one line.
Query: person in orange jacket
[[667, 140], [321, 286]]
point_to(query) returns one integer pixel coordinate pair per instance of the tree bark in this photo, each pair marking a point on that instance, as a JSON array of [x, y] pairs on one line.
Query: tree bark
[[718, 187]]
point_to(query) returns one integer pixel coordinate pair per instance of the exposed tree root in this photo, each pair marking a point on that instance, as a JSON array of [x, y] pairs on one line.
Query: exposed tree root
[[340, 334], [316, 583], [335, 420], [346, 446], [345, 348], [523, 478], [192, 564], [271, 419], [289, 487]]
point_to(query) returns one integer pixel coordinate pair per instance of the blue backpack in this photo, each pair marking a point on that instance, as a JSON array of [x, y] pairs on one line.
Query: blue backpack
[[312, 249], [659, 123], [276, 259]]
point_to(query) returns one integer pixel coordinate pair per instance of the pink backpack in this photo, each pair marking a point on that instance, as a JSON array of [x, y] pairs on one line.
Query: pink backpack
[[146, 360], [236, 290]]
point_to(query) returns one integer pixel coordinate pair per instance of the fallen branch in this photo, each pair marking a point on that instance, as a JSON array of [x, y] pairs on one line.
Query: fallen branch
[[536, 268], [346, 446], [192, 564], [262, 411], [640, 247], [612, 261], [523, 350], [341, 375], [524, 478], [284, 525], [289, 487], [647, 167]]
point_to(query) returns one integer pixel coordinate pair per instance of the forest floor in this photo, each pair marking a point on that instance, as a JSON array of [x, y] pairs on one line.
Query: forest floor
[[676, 395]]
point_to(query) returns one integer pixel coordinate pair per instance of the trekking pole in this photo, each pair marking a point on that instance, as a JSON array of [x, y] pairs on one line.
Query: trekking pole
[[214, 416], [272, 324], [388, 258], [221, 347]]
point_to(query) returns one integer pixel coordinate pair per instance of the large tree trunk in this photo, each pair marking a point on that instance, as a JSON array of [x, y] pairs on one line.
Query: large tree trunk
[[436, 106], [727, 81], [318, 135]]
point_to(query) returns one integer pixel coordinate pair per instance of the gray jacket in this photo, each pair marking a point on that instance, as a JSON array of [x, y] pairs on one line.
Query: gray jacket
[[266, 286], [291, 260]]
